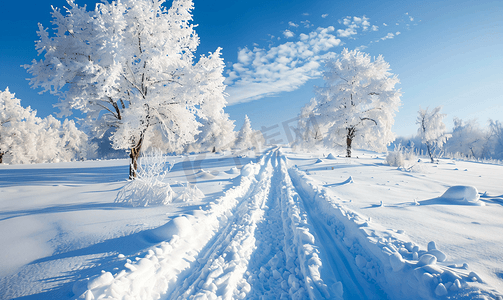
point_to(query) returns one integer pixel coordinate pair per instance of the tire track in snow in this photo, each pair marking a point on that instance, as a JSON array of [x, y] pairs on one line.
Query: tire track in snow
[[355, 286], [341, 265], [222, 264], [181, 241], [391, 262], [276, 236], [235, 263], [301, 246], [270, 272]]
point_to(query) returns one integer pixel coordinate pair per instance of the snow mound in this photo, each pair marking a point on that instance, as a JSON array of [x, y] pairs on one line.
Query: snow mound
[[145, 192], [232, 170], [98, 283], [330, 156], [204, 175], [462, 194], [318, 161], [180, 226], [250, 169]]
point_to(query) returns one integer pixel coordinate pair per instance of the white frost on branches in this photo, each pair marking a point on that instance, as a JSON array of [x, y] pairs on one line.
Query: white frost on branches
[[216, 131], [129, 65], [357, 105], [148, 189], [247, 138], [308, 133], [432, 130], [26, 138], [468, 139]]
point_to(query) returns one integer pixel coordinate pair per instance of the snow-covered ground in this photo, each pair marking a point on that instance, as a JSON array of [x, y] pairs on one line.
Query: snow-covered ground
[[279, 225]]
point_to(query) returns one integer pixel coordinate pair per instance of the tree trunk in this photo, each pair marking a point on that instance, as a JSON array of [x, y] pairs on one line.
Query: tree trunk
[[349, 140], [428, 147], [134, 155], [348, 146], [1, 157]]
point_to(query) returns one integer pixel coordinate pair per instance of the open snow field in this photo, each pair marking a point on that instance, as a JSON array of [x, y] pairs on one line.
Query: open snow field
[[279, 225]]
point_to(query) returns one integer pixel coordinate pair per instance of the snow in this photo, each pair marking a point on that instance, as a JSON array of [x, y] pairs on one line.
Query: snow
[[278, 225], [462, 194]]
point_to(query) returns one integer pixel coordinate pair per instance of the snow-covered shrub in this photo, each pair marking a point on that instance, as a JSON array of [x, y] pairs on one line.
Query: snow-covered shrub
[[190, 193], [26, 138], [148, 188], [402, 157]]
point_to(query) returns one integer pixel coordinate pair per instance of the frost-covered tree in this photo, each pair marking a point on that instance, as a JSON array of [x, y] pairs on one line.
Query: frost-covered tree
[[496, 139], [128, 65], [467, 139], [216, 130], [308, 132], [247, 138], [26, 138], [358, 102], [11, 115], [432, 130]]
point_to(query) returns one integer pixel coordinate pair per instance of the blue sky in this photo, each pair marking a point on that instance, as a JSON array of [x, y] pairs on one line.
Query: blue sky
[[447, 53]]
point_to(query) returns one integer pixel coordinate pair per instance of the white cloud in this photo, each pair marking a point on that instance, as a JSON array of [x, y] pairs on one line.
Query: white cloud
[[305, 14], [307, 23], [244, 56], [288, 34], [354, 23], [265, 72], [324, 16], [388, 36], [346, 32], [365, 24]]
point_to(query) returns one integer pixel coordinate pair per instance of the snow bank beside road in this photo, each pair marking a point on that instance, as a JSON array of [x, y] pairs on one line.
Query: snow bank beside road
[[390, 258], [180, 241]]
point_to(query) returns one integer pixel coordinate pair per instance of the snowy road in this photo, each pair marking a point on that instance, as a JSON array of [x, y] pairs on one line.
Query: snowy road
[[262, 252], [280, 234]]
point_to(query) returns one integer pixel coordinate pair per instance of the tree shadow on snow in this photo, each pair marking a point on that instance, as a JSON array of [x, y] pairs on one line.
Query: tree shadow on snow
[[17, 177], [492, 199], [98, 257], [91, 260], [60, 208], [192, 168]]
